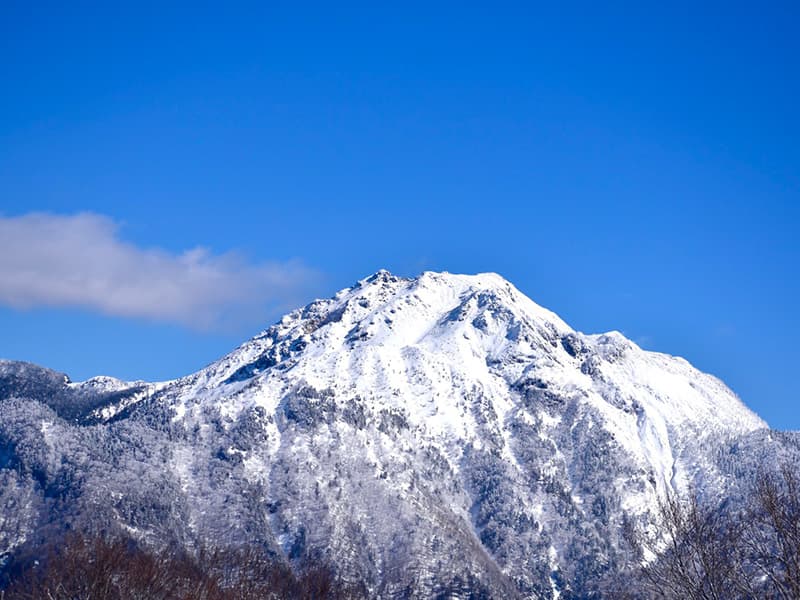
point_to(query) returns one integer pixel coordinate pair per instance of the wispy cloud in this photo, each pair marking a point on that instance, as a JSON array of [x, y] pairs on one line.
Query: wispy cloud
[[80, 261]]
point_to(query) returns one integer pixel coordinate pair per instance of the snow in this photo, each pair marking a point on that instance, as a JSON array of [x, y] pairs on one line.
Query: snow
[[424, 345], [448, 413]]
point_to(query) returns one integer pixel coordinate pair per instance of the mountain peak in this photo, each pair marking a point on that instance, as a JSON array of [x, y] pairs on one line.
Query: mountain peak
[[446, 291], [380, 276], [384, 336], [493, 435], [487, 279]]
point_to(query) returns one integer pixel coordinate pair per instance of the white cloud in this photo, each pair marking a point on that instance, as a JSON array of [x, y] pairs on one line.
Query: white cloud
[[80, 261]]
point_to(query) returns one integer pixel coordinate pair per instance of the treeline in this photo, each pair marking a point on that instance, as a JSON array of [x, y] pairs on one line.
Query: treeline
[[102, 568], [721, 551]]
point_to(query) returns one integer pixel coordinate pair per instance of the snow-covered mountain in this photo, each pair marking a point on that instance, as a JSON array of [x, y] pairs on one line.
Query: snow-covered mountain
[[437, 435]]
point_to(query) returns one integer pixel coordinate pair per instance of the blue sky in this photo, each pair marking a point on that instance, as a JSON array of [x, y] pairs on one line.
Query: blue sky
[[631, 168]]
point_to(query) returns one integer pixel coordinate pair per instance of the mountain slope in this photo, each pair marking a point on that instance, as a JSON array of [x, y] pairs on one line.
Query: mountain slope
[[442, 434]]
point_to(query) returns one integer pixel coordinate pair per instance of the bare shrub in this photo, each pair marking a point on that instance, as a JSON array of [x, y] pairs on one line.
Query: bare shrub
[[97, 568], [772, 542], [703, 551]]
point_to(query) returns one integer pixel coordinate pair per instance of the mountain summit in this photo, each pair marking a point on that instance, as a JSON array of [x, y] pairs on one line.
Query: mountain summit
[[436, 435]]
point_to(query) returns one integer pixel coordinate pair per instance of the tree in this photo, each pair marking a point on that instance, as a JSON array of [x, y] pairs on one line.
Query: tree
[[99, 568], [713, 551], [773, 532], [697, 553]]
